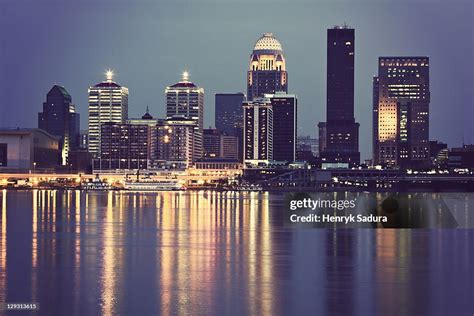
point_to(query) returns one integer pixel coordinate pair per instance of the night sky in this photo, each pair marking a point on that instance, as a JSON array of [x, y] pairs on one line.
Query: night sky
[[150, 43]]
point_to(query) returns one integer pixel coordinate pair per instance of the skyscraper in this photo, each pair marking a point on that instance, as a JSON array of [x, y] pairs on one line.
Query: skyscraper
[[284, 107], [123, 146], [59, 118], [342, 132], [401, 112], [229, 116], [258, 132], [108, 102], [267, 68], [175, 138], [185, 99]]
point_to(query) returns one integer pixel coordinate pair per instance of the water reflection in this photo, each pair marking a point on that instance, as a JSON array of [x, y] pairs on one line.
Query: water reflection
[[218, 253]]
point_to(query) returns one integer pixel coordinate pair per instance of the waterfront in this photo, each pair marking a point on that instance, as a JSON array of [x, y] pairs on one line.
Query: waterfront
[[207, 252]]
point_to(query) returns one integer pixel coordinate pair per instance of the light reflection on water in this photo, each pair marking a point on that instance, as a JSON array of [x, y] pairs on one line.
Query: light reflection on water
[[218, 253]]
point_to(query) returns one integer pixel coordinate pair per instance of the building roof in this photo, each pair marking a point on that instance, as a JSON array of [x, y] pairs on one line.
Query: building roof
[[267, 42], [25, 131], [183, 84], [59, 89], [106, 84]]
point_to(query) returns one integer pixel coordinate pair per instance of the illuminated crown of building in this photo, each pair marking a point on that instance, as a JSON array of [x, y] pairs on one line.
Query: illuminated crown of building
[[267, 54], [267, 42]]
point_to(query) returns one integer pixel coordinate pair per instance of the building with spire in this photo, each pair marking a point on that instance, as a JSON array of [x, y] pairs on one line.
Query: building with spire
[[108, 102], [267, 68], [186, 100], [59, 118]]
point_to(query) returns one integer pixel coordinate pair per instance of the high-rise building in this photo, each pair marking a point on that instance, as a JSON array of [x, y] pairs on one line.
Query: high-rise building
[[229, 113], [220, 145], [267, 68], [108, 102], [284, 107], [123, 146], [212, 143], [229, 147], [229, 116], [307, 146], [151, 123], [175, 137], [342, 132], [258, 132], [401, 112], [185, 99], [59, 118]]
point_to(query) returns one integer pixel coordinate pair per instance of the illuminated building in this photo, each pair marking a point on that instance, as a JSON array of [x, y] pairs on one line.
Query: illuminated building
[[284, 107], [175, 137], [342, 132], [185, 99], [229, 116], [27, 149], [59, 118], [258, 132], [108, 102], [151, 123], [401, 112], [123, 147], [267, 68]]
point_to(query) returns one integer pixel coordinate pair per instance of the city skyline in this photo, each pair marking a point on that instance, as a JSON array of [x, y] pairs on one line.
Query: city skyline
[[146, 70]]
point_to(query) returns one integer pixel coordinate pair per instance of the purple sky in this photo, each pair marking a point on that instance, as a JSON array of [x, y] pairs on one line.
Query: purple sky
[[149, 44]]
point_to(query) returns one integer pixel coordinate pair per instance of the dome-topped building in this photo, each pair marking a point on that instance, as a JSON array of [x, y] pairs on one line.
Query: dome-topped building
[[267, 68], [267, 42]]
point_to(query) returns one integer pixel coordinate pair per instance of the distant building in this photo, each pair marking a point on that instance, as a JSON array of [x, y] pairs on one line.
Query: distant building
[[151, 123], [258, 132], [83, 140], [341, 141], [461, 157], [219, 145], [229, 116], [185, 99], [285, 108], [80, 161], [212, 143], [267, 68], [108, 102], [306, 144], [27, 149], [439, 153], [401, 112], [175, 137], [123, 147], [59, 118], [229, 147]]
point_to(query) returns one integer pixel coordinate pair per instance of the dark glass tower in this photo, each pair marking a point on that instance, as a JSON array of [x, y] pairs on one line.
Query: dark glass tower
[[342, 132], [60, 119], [229, 116], [284, 121], [267, 68]]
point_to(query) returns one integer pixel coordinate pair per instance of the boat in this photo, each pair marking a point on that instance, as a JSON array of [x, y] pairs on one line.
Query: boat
[[96, 185]]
